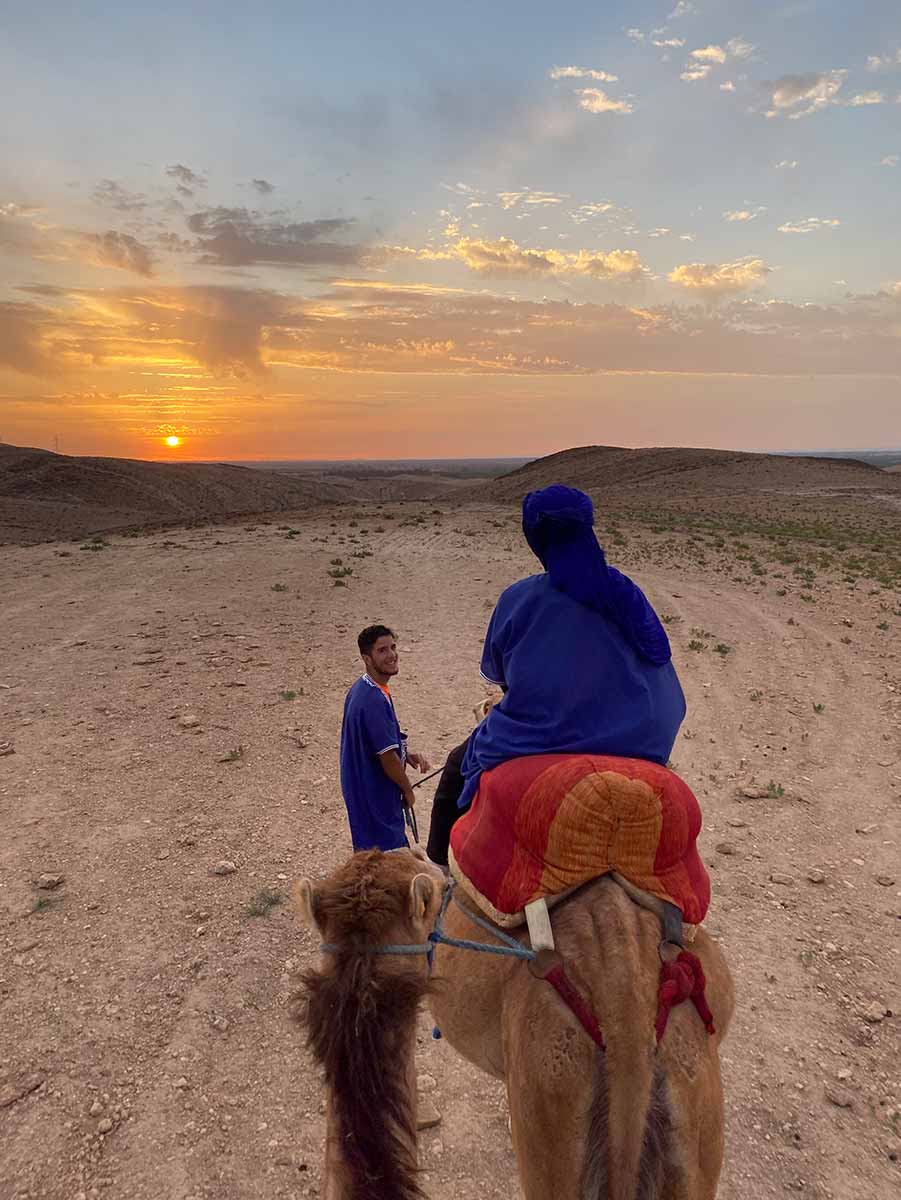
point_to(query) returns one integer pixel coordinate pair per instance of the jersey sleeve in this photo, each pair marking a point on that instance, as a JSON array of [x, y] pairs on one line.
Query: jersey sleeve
[[379, 725], [492, 667]]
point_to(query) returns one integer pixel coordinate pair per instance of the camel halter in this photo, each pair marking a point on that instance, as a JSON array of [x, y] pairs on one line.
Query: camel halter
[[544, 964], [511, 947], [680, 979]]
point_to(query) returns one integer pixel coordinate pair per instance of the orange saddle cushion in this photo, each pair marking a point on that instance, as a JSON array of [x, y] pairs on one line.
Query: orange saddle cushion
[[544, 824]]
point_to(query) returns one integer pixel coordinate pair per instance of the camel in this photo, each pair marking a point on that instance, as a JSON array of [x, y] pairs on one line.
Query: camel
[[634, 1122]]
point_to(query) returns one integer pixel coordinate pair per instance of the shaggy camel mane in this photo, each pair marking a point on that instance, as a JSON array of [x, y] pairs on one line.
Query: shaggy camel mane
[[356, 1012]]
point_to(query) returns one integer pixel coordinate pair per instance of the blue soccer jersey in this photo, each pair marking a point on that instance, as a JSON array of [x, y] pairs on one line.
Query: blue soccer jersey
[[374, 803]]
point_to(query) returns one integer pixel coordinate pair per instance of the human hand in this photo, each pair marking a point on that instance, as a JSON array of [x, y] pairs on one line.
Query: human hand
[[420, 762]]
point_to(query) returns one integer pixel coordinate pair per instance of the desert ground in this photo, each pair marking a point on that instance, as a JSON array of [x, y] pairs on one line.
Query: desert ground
[[170, 706]]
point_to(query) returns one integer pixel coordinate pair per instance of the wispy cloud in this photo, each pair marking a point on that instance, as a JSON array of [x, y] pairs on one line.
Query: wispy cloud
[[884, 62], [113, 195], [683, 9], [720, 279], [461, 189], [24, 333], [369, 326], [11, 209], [865, 98], [529, 196], [594, 100], [504, 257], [809, 225], [800, 95], [22, 232], [692, 74], [662, 39], [236, 237], [711, 54], [113, 249], [635, 35], [586, 212], [744, 214], [705, 58], [786, 164], [18, 233], [737, 47], [890, 160], [174, 242], [186, 180], [582, 73]]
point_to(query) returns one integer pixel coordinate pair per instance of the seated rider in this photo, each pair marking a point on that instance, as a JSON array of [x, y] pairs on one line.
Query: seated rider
[[579, 652]]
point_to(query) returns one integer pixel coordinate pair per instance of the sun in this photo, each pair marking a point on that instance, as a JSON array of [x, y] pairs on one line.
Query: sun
[[172, 440]]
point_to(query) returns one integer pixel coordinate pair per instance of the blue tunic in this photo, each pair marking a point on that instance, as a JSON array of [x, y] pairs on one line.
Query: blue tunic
[[574, 686], [374, 803]]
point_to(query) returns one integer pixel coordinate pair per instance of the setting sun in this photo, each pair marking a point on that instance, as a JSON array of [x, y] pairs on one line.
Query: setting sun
[[172, 440]]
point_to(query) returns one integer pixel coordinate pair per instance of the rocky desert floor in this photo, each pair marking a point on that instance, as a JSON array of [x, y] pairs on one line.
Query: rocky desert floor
[[169, 715]]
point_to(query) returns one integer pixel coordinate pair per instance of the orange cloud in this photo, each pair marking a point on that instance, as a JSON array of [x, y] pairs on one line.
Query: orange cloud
[[720, 279], [179, 344], [503, 256]]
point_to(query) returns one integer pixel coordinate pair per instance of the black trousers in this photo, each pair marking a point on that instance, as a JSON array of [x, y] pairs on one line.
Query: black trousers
[[444, 806]]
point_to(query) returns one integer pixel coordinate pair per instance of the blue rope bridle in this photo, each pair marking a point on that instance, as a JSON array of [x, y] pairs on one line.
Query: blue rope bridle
[[509, 947], [550, 968]]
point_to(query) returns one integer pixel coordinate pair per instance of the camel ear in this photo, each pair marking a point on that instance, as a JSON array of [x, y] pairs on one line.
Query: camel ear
[[422, 894], [303, 895]]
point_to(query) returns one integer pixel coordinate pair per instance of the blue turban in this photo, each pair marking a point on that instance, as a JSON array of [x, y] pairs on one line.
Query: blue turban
[[558, 525]]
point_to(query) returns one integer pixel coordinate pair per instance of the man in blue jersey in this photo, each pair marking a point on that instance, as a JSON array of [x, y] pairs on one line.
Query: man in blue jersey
[[374, 752]]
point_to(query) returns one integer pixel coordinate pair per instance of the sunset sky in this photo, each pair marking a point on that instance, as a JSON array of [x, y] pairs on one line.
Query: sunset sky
[[366, 230]]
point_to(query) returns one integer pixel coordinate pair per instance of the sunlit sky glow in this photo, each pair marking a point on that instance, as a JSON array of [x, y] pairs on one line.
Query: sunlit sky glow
[[415, 230]]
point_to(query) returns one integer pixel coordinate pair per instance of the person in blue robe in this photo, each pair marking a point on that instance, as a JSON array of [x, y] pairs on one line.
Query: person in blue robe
[[579, 652]]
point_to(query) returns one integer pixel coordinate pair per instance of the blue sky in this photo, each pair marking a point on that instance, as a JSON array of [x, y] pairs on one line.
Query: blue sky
[[211, 214]]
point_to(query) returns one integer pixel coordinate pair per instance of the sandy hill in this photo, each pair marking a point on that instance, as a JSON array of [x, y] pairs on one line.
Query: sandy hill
[[45, 496], [365, 483], [667, 472], [831, 499]]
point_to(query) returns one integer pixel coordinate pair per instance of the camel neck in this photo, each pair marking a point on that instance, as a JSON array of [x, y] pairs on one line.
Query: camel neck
[[371, 1140]]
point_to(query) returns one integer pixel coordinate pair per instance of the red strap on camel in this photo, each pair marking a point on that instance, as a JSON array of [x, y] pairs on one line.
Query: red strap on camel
[[548, 965], [682, 979], [576, 1004]]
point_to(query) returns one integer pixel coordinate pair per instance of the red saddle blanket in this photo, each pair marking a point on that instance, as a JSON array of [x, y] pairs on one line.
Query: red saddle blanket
[[544, 824]]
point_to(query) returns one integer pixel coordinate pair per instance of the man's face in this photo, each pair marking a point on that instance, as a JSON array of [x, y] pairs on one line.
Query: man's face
[[383, 656]]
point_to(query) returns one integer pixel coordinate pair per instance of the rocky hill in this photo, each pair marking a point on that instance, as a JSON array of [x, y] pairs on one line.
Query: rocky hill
[[829, 500], [46, 496], [665, 471]]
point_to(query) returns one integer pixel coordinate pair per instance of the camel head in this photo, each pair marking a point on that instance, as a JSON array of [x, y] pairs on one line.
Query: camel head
[[374, 899], [360, 1010]]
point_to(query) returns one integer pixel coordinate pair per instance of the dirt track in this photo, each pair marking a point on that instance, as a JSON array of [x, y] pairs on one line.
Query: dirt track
[[144, 996]]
